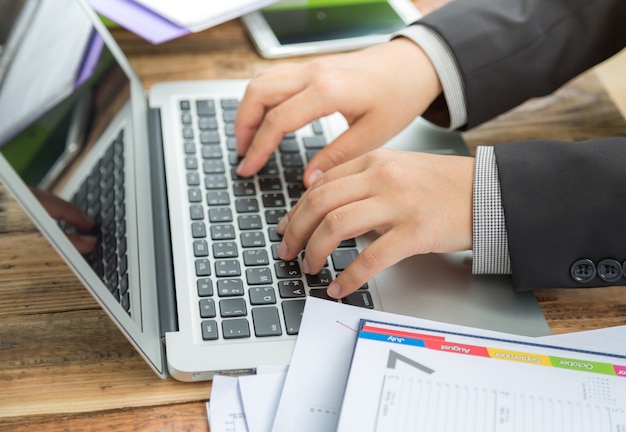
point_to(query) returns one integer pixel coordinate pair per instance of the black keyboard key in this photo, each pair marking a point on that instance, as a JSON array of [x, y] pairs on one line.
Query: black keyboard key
[[230, 288], [342, 258], [225, 250], [200, 248], [314, 142], [193, 179], [287, 270], [211, 152], [215, 181], [209, 137], [198, 230], [259, 276], [268, 184], [220, 215], [291, 289], [272, 217], [205, 107], [203, 267], [227, 268], [229, 103], [222, 232], [273, 235], [196, 212], [213, 166], [235, 328], [321, 293], [217, 198], [247, 205], [257, 257], [207, 308], [235, 307], [291, 160], [250, 222], [266, 322], [205, 287], [253, 239], [262, 295], [292, 311], [273, 200], [294, 175], [209, 330], [244, 188], [322, 279], [359, 298], [208, 122]]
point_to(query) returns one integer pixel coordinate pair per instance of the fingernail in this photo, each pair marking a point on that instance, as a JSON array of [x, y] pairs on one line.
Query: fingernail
[[334, 289], [241, 166], [282, 224], [306, 268], [315, 175], [283, 251]]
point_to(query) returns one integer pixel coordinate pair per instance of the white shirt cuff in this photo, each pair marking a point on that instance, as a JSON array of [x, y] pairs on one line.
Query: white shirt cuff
[[445, 65], [490, 242]]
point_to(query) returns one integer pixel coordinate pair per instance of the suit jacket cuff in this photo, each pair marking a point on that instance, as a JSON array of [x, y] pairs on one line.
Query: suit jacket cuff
[[490, 243], [447, 70]]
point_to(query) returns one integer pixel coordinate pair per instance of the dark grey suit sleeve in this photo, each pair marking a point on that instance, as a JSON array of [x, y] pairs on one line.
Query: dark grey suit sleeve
[[511, 50], [565, 211], [564, 203]]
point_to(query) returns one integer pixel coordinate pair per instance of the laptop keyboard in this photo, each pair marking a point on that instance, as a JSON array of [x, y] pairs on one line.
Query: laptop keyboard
[[101, 196], [244, 290]]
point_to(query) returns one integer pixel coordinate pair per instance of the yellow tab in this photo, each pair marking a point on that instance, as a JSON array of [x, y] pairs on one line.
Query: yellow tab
[[520, 357]]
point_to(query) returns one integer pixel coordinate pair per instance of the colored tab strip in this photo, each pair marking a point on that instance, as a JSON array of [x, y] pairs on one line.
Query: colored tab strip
[[583, 365], [391, 338], [457, 348], [401, 333], [620, 371], [517, 356]]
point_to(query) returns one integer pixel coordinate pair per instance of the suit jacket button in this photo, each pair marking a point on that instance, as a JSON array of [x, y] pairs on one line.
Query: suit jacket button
[[583, 270], [610, 270]]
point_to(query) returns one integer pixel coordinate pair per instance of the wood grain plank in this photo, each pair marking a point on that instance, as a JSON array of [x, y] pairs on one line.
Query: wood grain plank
[[186, 417]]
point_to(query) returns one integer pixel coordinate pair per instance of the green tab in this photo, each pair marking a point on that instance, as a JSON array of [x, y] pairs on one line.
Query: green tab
[[582, 365]]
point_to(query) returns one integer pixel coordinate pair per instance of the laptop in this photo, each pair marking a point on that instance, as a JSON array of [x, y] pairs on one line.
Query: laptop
[[185, 263]]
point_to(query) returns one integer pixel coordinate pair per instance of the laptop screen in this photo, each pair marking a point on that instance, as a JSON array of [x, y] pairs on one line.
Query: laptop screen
[[61, 91], [68, 104]]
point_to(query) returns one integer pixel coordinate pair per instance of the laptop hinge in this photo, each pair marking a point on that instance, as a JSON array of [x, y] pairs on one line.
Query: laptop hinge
[[160, 212]]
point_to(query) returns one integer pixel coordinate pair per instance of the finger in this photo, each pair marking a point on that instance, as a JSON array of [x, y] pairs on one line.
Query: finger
[[63, 210], [380, 254], [83, 243], [262, 93], [346, 222], [349, 168], [362, 136], [290, 115], [313, 207]]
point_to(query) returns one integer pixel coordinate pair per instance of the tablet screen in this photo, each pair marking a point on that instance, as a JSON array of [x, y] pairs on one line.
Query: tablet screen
[[321, 20]]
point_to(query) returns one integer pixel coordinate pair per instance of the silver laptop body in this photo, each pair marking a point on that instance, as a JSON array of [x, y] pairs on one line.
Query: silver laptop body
[[185, 264]]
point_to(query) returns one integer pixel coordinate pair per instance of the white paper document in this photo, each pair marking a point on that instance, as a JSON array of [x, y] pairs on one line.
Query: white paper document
[[246, 403], [405, 378], [314, 388], [197, 15]]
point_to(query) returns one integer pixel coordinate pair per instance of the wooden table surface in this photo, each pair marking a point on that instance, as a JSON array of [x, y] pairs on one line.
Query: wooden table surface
[[63, 364]]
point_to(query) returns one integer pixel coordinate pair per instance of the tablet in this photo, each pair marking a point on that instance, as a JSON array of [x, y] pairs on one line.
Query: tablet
[[297, 27]]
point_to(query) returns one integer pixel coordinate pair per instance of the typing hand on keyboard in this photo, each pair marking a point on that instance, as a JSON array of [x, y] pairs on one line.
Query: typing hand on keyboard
[[417, 202], [379, 90]]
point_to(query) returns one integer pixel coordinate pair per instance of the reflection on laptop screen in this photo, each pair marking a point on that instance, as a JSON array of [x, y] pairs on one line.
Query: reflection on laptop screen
[[52, 116]]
